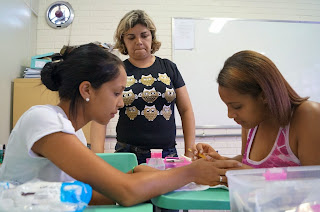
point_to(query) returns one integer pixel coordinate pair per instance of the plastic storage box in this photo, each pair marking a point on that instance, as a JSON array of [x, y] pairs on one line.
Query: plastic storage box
[[38, 61], [275, 189], [173, 162]]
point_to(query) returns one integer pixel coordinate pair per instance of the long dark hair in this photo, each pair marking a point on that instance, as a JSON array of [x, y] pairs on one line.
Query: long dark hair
[[88, 62], [252, 73]]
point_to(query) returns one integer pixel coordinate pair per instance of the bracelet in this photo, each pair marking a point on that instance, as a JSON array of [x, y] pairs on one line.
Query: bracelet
[[132, 170]]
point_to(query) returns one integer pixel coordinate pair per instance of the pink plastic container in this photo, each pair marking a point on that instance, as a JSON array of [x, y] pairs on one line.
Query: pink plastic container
[[174, 162]]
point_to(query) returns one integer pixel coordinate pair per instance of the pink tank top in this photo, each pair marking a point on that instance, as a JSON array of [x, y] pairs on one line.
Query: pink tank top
[[281, 154]]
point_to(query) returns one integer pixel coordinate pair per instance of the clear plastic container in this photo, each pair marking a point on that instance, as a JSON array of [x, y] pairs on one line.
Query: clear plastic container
[[156, 160], [37, 195], [275, 189]]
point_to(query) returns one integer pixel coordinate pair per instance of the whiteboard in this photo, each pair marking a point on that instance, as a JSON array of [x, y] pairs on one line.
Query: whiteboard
[[293, 46]]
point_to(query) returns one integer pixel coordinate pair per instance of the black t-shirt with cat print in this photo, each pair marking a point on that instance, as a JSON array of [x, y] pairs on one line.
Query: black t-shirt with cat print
[[147, 118]]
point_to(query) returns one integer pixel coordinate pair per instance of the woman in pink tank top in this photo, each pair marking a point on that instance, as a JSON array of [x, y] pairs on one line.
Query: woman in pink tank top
[[279, 128]]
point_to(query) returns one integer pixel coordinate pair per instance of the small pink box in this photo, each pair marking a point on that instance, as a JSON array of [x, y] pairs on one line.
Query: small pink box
[[174, 162]]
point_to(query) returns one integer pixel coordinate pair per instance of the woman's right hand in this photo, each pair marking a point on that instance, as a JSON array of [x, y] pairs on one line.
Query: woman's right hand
[[213, 172], [205, 149]]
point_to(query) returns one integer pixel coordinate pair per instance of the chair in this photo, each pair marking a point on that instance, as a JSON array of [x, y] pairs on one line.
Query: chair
[[144, 207], [123, 162]]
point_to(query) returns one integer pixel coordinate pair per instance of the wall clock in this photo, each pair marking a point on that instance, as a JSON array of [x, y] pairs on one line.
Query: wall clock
[[59, 14]]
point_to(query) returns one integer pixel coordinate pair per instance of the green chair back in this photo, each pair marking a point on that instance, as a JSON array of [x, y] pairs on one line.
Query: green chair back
[[122, 161], [144, 207]]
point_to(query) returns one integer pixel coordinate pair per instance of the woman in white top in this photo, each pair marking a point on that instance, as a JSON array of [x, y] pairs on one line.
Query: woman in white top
[[47, 141]]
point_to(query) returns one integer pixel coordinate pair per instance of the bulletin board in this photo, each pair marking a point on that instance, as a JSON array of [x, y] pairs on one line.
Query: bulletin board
[[200, 47]]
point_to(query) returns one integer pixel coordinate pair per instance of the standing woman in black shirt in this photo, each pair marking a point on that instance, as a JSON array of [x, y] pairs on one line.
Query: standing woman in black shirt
[[154, 86]]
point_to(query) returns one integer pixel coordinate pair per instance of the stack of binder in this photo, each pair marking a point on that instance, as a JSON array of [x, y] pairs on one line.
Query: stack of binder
[[32, 73]]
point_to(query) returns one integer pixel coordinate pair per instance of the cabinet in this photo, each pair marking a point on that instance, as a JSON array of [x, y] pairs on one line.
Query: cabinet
[[28, 92]]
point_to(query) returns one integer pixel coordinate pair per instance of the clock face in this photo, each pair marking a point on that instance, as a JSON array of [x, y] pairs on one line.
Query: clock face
[[59, 14]]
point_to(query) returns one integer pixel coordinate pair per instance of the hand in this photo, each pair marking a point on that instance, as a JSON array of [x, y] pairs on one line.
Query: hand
[[189, 153], [215, 156], [201, 149], [213, 172], [244, 166]]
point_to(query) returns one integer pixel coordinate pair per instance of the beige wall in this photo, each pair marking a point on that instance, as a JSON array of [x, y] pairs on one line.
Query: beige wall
[[24, 34], [18, 26], [96, 20]]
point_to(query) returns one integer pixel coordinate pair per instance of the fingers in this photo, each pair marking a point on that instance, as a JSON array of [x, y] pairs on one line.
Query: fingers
[[199, 150], [215, 155], [227, 164], [194, 150], [214, 172], [222, 179], [195, 153]]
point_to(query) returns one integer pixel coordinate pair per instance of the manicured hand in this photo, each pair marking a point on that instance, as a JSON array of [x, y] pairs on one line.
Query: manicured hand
[[202, 150]]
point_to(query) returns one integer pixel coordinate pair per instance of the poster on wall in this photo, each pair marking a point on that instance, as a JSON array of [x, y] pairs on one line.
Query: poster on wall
[[184, 34]]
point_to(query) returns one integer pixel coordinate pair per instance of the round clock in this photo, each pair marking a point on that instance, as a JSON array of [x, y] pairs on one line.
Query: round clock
[[59, 14]]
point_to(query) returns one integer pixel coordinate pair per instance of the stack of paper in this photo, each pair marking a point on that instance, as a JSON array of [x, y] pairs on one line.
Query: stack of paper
[[32, 73]]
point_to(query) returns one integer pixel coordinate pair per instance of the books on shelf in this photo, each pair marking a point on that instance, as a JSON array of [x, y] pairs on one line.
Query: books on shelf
[[32, 73]]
